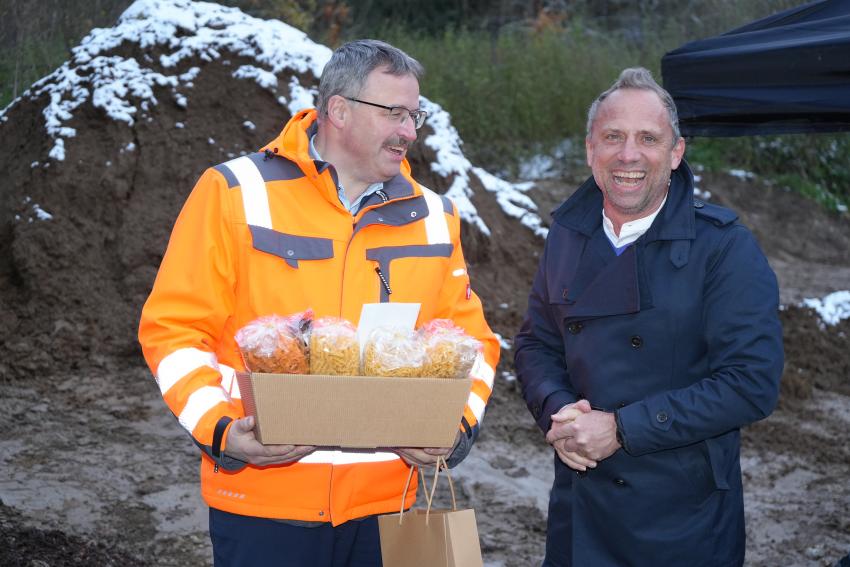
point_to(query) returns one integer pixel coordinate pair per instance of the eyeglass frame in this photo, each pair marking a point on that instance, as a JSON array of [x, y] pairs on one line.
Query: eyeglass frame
[[413, 114]]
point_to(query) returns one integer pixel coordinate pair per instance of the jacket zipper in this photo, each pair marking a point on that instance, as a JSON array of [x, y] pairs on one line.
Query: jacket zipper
[[383, 280]]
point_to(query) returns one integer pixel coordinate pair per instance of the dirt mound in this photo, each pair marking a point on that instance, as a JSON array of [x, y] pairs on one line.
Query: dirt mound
[[816, 355], [83, 236]]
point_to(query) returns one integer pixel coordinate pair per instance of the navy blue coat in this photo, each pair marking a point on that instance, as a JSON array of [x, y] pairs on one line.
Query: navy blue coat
[[680, 336]]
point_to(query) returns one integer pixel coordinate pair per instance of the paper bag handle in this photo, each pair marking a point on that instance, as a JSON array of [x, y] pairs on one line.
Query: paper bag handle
[[429, 497]]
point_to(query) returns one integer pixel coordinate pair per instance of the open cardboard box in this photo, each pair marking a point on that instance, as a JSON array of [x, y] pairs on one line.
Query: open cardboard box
[[354, 411]]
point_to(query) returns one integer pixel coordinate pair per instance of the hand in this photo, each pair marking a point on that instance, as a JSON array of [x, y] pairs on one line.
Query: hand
[[592, 435], [558, 433], [565, 416], [571, 458], [242, 444], [415, 456]]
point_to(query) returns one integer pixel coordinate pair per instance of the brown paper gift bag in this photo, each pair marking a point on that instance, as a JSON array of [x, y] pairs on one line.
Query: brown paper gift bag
[[430, 538]]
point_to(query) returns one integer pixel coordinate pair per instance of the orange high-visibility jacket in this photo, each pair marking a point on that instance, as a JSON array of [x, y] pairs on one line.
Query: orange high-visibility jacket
[[266, 234]]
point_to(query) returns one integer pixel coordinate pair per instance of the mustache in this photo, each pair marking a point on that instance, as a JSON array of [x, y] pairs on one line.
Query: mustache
[[397, 141]]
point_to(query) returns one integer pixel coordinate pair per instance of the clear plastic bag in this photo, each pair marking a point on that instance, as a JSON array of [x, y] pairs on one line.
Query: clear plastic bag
[[449, 351], [334, 348], [392, 351], [276, 344]]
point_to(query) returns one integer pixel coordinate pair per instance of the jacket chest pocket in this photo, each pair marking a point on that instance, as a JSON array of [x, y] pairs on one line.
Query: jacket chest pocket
[[291, 248], [410, 272]]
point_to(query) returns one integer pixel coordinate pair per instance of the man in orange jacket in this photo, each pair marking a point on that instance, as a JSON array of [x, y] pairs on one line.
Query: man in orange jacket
[[326, 217]]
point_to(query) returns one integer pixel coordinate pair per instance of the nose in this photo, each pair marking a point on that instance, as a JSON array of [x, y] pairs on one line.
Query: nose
[[629, 151], [407, 129]]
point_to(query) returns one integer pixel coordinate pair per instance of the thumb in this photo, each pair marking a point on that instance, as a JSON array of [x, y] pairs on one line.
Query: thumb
[[244, 424]]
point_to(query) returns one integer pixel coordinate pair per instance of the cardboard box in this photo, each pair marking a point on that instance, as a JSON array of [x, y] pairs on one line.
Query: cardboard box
[[354, 411]]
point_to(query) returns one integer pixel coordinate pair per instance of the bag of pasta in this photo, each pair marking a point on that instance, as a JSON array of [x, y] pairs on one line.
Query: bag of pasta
[[449, 351], [334, 348], [275, 344], [393, 351]]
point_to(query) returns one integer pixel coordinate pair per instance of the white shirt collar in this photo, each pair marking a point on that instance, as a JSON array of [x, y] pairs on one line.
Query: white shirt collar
[[352, 207], [630, 231]]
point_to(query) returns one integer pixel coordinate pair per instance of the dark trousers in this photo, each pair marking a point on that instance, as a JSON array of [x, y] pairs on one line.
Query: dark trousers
[[246, 541]]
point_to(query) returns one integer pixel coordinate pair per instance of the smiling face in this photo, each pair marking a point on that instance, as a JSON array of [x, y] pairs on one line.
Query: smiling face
[[375, 143], [631, 152]]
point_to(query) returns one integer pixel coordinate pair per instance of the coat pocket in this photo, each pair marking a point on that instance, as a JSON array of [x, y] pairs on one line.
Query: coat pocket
[[291, 247], [695, 461]]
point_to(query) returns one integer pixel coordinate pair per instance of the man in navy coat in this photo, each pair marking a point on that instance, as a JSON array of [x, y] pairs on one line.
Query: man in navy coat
[[652, 336]]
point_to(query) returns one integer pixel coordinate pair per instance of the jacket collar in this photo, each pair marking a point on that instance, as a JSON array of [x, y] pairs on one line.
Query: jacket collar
[[293, 143], [582, 212]]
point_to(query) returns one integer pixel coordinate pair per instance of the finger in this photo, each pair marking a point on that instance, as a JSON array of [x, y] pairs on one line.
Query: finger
[[566, 415], [581, 459], [561, 431], [567, 460], [583, 406], [437, 452]]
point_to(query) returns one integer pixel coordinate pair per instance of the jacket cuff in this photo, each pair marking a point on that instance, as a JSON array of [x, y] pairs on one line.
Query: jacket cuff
[[463, 444]]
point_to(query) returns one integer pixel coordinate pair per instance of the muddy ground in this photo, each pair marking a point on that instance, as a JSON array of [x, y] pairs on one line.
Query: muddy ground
[[97, 472]]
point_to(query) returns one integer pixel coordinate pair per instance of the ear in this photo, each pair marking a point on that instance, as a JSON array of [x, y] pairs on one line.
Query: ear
[[588, 148], [677, 152], [338, 111]]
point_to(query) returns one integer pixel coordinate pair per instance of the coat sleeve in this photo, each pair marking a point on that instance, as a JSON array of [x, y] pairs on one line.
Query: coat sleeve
[[183, 318], [539, 354], [743, 338], [459, 303]]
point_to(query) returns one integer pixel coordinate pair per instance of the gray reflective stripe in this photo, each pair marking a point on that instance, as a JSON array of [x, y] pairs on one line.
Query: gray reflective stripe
[[228, 175], [387, 254], [447, 205], [291, 247], [398, 213], [275, 168]]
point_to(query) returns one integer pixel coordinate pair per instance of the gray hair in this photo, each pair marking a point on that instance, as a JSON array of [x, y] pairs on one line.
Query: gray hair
[[638, 78], [350, 65]]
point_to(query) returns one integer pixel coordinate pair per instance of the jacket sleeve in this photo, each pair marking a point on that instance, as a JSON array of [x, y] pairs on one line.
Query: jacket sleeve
[[743, 338], [539, 354], [183, 318], [459, 303]]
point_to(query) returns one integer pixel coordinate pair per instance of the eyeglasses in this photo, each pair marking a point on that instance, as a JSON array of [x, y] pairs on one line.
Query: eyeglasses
[[399, 113]]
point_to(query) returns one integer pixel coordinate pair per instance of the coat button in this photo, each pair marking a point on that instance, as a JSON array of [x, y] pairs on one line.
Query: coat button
[[536, 411], [575, 328], [619, 482], [290, 253], [621, 405], [581, 474], [698, 204], [661, 417], [636, 341]]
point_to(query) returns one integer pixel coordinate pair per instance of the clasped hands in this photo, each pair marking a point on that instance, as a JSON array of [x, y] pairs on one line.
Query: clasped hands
[[242, 444], [582, 436]]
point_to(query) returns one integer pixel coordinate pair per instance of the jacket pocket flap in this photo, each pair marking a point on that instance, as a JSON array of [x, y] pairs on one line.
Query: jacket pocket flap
[[291, 247]]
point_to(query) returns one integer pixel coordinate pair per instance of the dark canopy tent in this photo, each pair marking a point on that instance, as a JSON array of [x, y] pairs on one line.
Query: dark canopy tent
[[786, 73]]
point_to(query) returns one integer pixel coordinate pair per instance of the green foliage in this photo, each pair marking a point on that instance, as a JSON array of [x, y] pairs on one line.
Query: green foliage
[[514, 93], [816, 165], [35, 59]]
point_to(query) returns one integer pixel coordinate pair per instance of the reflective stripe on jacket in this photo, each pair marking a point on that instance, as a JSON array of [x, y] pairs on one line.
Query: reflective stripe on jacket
[[265, 233]]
